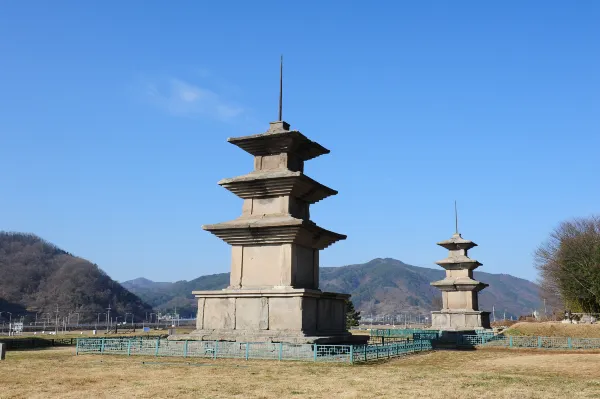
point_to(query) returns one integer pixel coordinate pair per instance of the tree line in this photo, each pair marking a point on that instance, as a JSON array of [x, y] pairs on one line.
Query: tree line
[[569, 266]]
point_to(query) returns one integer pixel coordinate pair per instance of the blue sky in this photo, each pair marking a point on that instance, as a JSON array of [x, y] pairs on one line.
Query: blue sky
[[114, 118]]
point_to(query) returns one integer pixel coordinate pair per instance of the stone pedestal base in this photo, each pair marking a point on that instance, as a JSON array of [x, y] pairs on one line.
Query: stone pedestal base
[[457, 320], [288, 315]]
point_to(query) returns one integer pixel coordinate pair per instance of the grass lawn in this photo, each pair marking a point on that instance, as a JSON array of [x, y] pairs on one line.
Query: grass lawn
[[555, 329], [444, 374]]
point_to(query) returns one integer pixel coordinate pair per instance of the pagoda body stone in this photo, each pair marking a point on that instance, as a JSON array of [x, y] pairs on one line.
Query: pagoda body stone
[[273, 294], [459, 289]]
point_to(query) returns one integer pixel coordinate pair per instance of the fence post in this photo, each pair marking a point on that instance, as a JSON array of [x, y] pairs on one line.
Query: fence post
[[280, 350], [315, 352], [247, 350], [351, 354], [157, 345], [216, 348], [185, 348], [569, 343], [510, 341], [129, 347], [539, 342], [77, 347], [102, 346]]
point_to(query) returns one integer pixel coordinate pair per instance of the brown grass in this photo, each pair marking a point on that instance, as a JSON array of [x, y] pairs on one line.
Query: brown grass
[[503, 323], [102, 333], [555, 329], [443, 374]]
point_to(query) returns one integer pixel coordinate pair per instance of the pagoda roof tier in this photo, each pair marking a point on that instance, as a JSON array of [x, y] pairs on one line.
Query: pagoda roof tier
[[459, 262], [457, 242], [278, 139], [277, 229], [459, 284], [277, 183]]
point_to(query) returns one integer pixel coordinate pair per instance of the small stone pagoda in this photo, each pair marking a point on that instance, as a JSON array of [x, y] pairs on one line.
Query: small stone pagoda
[[273, 294], [459, 289]]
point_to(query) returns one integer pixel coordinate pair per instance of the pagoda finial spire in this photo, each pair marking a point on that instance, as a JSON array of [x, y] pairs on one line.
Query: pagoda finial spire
[[281, 88], [455, 218]]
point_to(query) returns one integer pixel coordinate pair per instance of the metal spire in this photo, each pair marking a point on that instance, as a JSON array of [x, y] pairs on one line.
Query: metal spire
[[280, 88], [455, 217]]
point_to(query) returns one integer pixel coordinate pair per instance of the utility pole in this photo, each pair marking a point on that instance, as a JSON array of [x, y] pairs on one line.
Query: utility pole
[[107, 317], [98, 321], [56, 324]]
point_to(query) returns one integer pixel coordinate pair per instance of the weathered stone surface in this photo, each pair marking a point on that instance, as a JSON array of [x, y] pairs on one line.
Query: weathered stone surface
[[274, 229], [274, 295], [285, 313], [277, 183], [270, 336], [252, 313], [280, 142], [219, 313], [459, 320], [262, 266], [331, 315], [200, 314], [459, 289], [270, 315]]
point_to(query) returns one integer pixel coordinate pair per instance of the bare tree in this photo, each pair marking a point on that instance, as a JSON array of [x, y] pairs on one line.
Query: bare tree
[[569, 265]]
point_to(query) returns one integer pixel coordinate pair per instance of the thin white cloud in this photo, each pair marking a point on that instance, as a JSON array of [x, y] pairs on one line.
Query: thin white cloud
[[180, 98]]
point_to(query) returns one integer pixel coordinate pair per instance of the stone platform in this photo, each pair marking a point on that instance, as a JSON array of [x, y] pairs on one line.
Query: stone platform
[[460, 320], [292, 315]]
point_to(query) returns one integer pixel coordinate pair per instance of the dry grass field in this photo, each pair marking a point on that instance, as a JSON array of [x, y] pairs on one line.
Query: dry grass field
[[57, 373], [102, 333], [555, 329]]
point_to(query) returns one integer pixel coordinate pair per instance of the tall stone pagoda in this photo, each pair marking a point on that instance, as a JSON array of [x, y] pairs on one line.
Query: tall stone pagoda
[[273, 294], [459, 289]]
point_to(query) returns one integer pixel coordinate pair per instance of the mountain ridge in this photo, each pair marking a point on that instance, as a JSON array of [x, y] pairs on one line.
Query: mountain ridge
[[37, 277], [379, 286]]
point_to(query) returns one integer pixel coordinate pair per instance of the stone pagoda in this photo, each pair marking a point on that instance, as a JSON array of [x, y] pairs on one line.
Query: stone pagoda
[[459, 290], [273, 294]]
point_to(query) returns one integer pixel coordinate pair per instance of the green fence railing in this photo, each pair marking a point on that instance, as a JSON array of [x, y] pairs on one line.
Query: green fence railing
[[250, 350], [397, 332], [529, 342]]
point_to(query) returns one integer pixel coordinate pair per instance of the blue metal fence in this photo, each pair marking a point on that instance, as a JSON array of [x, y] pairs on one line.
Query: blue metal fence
[[397, 332], [250, 350], [409, 332], [528, 342], [366, 353]]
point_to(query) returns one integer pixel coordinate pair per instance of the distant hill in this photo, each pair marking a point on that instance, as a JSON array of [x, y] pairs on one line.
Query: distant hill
[[381, 286], [168, 296], [37, 276]]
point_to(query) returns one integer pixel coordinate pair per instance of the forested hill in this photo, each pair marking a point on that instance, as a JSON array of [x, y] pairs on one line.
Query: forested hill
[[37, 276], [381, 286]]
